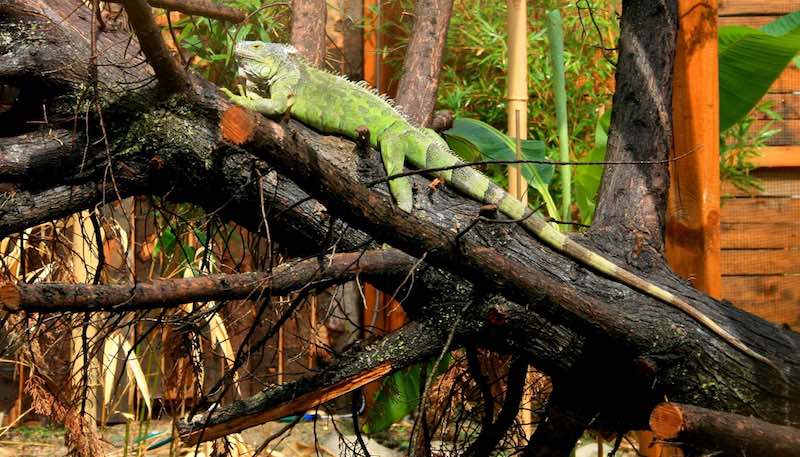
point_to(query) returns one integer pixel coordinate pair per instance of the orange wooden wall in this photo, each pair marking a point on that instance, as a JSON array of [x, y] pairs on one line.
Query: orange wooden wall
[[760, 231]]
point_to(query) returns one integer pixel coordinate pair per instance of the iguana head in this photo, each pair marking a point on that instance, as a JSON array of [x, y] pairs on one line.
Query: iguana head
[[260, 61]]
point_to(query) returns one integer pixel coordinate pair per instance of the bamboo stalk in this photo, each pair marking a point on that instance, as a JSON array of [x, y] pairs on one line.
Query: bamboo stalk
[[556, 37], [517, 116], [517, 97]]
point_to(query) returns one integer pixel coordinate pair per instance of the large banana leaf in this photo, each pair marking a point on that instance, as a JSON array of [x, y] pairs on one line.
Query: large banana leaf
[[474, 138], [750, 60], [587, 177]]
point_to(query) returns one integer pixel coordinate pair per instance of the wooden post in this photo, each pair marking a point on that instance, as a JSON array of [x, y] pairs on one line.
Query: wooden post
[[693, 230], [376, 71], [692, 244]]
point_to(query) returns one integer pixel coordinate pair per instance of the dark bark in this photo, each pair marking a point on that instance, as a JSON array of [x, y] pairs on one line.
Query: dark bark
[[567, 319], [491, 435], [506, 259], [416, 93], [169, 72], [313, 273], [700, 429], [569, 412], [412, 343], [633, 198], [308, 29], [205, 8]]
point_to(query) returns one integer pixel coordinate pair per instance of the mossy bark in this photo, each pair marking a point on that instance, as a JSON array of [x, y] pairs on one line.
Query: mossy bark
[[524, 298]]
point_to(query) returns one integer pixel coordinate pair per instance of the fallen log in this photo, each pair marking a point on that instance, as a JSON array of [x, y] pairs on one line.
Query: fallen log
[[710, 430]]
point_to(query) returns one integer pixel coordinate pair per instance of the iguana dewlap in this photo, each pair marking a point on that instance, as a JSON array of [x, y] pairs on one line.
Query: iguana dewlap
[[280, 80]]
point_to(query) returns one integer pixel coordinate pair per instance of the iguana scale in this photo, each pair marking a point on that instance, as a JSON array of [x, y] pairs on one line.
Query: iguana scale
[[279, 80]]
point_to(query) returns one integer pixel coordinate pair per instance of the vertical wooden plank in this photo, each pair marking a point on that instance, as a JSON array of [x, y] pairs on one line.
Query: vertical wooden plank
[[281, 358], [692, 242], [377, 14], [693, 230], [346, 53]]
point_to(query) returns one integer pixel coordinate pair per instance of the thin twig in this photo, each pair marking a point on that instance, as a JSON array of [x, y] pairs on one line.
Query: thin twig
[[202, 8]]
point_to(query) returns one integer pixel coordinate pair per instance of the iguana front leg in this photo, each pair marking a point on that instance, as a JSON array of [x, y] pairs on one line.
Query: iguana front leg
[[277, 104], [393, 149]]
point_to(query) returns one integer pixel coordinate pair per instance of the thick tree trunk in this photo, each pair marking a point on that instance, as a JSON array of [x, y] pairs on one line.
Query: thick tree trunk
[[523, 297], [308, 29]]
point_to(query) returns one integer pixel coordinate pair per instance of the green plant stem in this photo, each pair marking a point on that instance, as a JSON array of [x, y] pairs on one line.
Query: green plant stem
[[127, 438], [556, 38]]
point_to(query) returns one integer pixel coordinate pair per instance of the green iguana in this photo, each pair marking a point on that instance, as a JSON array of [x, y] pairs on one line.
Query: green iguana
[[281, 81]]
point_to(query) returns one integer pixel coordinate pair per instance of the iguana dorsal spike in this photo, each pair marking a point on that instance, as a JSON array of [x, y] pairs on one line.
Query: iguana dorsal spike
[[333, 104]]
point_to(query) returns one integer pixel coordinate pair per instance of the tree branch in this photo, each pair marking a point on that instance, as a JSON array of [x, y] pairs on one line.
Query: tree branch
[[336, 175], [169, 73], [30, 157], [416, 92], [569, 412], [289, 277], [490, 436], [349, 372], [565, 318], [205, 8], [22, 209]]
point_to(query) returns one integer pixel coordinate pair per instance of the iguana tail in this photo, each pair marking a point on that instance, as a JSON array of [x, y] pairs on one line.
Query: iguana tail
[[478, 186]]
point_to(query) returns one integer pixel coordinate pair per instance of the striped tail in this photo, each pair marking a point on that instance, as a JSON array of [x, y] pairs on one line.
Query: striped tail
[[479, 187]]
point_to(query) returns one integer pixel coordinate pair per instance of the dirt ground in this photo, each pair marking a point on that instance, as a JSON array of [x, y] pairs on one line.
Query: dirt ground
[[43, 441]]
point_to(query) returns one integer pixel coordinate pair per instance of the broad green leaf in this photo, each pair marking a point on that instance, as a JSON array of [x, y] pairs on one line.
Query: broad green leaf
[[398, 396], [466, 150], [495, 145], [587, 177], [784, 25], [166, 243], [750, 60]]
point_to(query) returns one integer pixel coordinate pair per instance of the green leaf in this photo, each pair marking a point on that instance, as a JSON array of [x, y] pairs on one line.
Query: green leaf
[[399, 396], [587, 177], [166, 242], [750, 60], [466, 150], [555, 32], [784, 25], [495, 145]]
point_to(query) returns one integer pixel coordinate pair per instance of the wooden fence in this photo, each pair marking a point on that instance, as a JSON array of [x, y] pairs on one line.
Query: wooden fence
[[760, 231]]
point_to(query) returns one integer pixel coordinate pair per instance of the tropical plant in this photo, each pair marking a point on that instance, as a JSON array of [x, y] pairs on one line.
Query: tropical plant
[[209, 43], [750, 60], [477, 141]]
